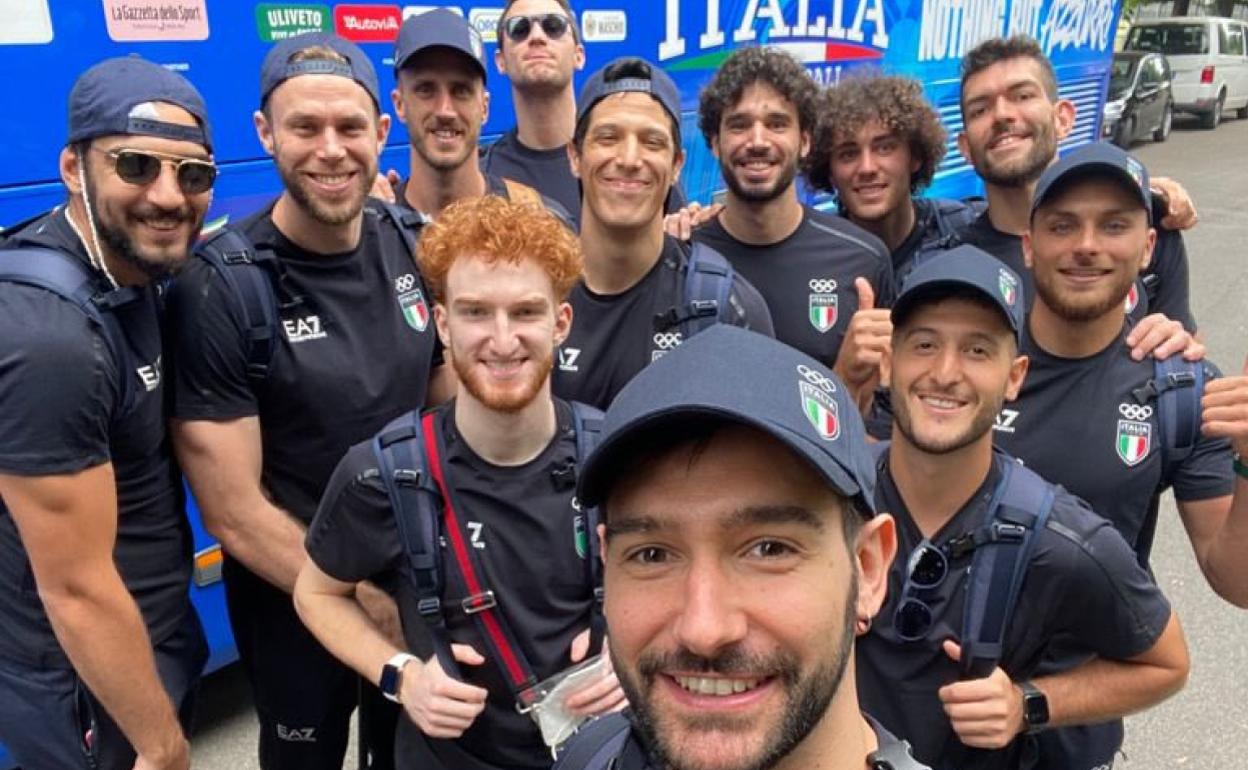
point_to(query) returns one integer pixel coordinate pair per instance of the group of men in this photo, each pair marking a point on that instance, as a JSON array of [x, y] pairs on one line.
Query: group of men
[[387, 409]]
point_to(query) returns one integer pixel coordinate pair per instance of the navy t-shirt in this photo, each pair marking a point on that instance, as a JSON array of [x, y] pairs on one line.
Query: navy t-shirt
[[59, 414], [807, 279], [615, 336], [356, 346], [1084, 590], [531, 546]]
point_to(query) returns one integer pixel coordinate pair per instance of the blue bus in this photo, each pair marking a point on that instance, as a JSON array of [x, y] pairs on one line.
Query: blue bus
[[219, 44]]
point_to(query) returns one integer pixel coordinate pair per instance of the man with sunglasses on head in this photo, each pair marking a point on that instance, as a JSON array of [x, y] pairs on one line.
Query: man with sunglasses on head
[[440, 95], [997, 568], [100, 649], [266, 403]]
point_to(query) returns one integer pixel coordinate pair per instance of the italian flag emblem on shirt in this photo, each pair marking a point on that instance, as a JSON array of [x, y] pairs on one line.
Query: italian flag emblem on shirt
[[820, 409], [415, 311], [823, 311], [1134, 441]]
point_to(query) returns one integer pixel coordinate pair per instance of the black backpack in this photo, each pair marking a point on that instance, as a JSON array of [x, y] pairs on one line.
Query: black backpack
[[254, 277], [408, 452]]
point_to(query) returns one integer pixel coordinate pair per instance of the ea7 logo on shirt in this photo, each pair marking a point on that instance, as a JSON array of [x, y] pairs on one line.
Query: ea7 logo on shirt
[[303, 329], [150, 375], [663, 342], [296, 734], [567, 359], [823, 304], [1005, 420], [818, 403], [412, 302], [1135, 437]]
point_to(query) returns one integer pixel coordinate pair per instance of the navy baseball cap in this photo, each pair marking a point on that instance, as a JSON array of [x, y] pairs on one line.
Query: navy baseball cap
[[278, 68], [733, 375], [108, 99], [1099, 159], [964, 267], [625, 74], [440, 27]]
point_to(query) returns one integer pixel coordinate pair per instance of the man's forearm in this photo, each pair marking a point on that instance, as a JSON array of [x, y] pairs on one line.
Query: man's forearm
[[267, 540], [102, 632], [345, 629], [1223, 562]]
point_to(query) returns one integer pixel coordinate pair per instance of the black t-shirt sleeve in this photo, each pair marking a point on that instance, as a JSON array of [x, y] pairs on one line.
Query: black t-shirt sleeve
[[751, 306], [207, 348], [1112, 606], [58, 386], [353, 536], [1166, 279]]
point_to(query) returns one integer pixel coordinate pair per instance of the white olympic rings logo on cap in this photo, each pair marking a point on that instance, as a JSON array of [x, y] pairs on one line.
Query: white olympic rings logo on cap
[[822, 285], [1135, 411], [405, 282], [667, 340], [816, 378]]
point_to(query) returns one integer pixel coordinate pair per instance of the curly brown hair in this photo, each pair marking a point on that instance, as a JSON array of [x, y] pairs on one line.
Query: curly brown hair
[[495, 229], [897, 103], [757, 64]]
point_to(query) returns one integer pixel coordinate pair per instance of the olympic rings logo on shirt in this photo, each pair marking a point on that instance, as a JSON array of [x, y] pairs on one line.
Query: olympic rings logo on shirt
[[667, 340], [816, 378], [1135, 411], [405, 283], [822, 285]]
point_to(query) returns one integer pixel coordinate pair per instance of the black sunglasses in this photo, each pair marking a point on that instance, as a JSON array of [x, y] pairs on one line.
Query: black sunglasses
[[518, 28], [139, 167], [925, 570]]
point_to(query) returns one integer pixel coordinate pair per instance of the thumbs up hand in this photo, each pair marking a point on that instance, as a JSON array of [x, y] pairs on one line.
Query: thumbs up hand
[[867, 340]]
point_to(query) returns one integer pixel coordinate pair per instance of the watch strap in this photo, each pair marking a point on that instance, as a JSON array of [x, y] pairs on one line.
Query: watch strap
[[392, 675], [1035, 707]]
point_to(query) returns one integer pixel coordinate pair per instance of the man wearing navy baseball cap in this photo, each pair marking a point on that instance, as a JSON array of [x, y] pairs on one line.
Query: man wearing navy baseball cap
[[999, 566], [100, 649], [742, 556], [298, 332], [643, 292], [1116, 431]]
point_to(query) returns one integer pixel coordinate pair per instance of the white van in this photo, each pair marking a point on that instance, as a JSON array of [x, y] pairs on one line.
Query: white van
[[1209, 58]]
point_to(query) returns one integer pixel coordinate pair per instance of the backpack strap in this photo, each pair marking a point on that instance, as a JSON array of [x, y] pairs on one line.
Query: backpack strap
[[252, 276], [1019, 507], [481, 602], [951, 219], [587, 424], [398, 450], [407, 221], [518, 192], [705, 291], [598, 744], [1177, 386], [73, 280]]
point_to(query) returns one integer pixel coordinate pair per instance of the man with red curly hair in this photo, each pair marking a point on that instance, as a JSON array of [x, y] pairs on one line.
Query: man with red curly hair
[[504, 456]]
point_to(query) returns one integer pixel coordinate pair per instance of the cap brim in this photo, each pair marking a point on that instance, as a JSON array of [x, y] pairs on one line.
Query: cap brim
[[598, 475]]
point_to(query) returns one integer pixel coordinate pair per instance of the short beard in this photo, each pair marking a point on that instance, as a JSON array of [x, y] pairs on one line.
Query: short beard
[[808, 701], [121, 245], [982, 423], [327, 215], [741, 193], [508, 402], [1082, 313], [1029, 169]]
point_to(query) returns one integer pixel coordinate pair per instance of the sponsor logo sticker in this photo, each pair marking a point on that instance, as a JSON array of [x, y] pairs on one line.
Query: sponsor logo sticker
[[276, 22], [26, 22], [137, 21], [485, 22], [368, 23], [604, 26]]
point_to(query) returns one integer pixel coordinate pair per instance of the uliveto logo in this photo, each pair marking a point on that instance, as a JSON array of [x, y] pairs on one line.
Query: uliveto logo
[[368, 23]]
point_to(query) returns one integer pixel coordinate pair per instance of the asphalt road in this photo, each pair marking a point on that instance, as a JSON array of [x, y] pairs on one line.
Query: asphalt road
[[1206, 725]]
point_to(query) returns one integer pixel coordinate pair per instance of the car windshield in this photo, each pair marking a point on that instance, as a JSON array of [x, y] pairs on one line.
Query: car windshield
[[1121, 76], [1170, 39]]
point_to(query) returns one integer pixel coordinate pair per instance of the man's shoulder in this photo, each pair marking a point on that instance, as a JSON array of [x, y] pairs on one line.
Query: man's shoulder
[[842, 233]]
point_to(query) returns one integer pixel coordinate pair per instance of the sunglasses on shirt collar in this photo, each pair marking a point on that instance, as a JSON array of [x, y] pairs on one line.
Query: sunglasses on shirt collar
[[518, 28], [141, 167]]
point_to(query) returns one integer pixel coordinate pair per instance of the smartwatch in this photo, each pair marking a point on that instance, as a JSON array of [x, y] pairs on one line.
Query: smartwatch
[[392, 676], [1035, 708]]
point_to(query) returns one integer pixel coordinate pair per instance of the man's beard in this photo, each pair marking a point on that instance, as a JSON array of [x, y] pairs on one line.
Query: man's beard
[[328, 214], [119, 243], [758, 195], [438, 162], [1075, 312], [808, 699], [1027, 170], [510, 400], [981, 424]]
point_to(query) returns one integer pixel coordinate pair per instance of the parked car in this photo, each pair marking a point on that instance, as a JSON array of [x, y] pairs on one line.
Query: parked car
[[1209, 61], [1140, 102]]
